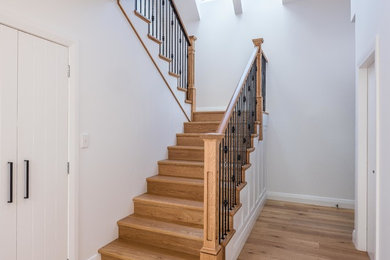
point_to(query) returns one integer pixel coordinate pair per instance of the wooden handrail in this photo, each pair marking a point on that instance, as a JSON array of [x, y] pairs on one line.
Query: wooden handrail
[[181, 22], [236, 94], [242, 120]]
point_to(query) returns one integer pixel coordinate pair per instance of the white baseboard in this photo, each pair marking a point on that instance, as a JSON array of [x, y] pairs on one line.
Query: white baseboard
[[235, 245], [202, 109], [310, 199], [95, 257]]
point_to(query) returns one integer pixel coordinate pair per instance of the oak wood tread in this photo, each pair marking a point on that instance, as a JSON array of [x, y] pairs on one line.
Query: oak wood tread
[[182, 203], [162, 227], [201, 126], [208, 116], [175, 180], [124, 250], [181, 163], [181, 168], [143, 18]]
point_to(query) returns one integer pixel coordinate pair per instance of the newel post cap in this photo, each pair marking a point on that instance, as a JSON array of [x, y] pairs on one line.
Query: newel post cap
[[258, 41]]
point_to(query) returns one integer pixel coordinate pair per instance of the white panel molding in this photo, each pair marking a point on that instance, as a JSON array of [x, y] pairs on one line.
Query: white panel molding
[[239, 239], [310, 199]]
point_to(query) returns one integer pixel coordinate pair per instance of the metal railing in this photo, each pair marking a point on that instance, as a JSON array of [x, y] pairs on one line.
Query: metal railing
[[167, 28], [233, 149], [227, 155]]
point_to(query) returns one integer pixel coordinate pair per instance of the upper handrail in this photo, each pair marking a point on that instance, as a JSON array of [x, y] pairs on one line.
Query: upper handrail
[[183, 28], [233, 101]]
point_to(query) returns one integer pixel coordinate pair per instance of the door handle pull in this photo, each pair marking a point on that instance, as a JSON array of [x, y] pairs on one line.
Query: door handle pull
[[11, 181], [27, 178]]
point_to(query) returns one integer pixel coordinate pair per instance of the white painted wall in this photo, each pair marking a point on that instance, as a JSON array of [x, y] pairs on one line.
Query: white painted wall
[[371, 22], [123, 103], [310, 46], [252, 197]]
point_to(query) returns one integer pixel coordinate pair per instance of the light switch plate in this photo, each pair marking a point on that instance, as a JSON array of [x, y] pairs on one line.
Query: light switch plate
[[84, 141]]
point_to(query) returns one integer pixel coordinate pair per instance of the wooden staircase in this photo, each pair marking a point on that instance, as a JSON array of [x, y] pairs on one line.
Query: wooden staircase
[[168, 220]]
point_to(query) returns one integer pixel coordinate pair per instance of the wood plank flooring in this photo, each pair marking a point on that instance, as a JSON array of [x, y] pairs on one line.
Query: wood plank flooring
[[292, 231]]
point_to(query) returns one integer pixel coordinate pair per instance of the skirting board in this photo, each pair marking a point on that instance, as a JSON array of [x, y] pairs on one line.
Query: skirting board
[[95, 257], [235, 245], [313, 200]]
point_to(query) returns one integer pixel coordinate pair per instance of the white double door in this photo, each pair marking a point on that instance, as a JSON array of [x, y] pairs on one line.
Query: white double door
[[33, 147]]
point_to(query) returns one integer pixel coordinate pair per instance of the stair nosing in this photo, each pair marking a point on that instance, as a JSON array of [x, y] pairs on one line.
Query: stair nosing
[[183, 205], [188, 147], [176, 180]]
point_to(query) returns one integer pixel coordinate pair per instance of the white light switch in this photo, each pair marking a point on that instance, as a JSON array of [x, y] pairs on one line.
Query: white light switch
[[84, 141]]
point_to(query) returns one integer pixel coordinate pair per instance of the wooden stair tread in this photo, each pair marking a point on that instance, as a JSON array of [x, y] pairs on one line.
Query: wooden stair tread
[[176, 180], [157, 199], [203, 122], [180, 162], [162, 227], [186, 147], [125, 250]]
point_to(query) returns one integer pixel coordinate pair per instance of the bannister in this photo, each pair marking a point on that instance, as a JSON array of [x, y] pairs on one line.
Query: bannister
[[226, 156], [167, 29]]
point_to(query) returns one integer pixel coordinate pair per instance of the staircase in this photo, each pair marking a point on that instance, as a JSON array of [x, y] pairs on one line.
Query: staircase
[[168, 220]]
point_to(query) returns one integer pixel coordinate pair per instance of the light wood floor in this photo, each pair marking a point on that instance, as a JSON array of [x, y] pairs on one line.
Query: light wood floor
[[292, 231]]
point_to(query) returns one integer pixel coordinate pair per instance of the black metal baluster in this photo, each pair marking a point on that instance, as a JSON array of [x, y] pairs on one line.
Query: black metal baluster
[[171, 37], [228, 179], [220, 195]]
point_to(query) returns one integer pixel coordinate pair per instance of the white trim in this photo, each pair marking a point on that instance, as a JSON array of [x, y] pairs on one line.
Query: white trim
[[238, 241], [94, 257], [311, 199], [361, 192], [203, 109], [28, 27]]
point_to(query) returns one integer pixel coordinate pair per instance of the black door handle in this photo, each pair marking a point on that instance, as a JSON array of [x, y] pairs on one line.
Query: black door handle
[[11, 181], [27, 172]]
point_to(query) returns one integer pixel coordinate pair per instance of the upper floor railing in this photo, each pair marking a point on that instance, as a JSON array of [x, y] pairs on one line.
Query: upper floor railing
[[227, 155], [167, 29]]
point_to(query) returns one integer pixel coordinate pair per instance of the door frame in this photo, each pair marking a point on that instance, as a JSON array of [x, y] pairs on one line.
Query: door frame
[[361, 138], [23, 25]]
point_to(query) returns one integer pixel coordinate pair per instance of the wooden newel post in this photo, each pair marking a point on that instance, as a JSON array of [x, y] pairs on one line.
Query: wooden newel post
[[259, 96], [211, 249], [191, 76]]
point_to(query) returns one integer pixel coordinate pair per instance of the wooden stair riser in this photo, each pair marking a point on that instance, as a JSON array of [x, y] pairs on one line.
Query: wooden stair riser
[[189, 140], [166, 212], [181, 170], [105, 257], [186, 154], [183, 191], [180, 244], [200, 127], [208, 116]]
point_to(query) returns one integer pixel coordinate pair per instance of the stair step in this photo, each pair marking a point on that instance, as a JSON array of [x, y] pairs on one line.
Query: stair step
[[161, 234], [187, 169], [189, 139], [178, 187], [187, 212], [201, 127], [124, 250], [209, 116], [187, 153]]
